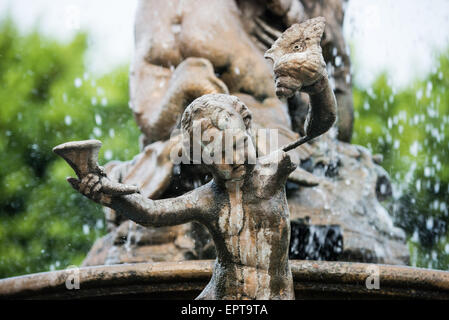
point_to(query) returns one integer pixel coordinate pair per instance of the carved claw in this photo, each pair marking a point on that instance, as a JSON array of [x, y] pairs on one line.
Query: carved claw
[[303, 178], [266, 29]]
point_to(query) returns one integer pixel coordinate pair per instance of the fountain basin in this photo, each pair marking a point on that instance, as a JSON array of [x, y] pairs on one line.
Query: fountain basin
[[186, 279]]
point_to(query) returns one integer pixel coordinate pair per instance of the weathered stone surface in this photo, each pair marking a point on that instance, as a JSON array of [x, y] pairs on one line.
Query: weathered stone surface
[[244, 206], [170, 48], [343, 169], [172, 280], [230, 38], [349, 196], [130, 243]]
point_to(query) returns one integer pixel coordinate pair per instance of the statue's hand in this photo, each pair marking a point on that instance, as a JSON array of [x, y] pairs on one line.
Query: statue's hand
[[299, 71], [195, 77], [90, 186], [99, 188]]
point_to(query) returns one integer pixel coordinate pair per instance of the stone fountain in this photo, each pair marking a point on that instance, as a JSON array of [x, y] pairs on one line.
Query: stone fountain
[[282, 66], [338, 226]]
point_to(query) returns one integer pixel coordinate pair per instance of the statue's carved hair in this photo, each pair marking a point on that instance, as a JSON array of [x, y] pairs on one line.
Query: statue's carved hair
[[210, 106]]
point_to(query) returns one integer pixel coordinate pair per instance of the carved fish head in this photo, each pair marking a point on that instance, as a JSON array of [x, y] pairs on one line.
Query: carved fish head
[[297, 57], [298, 38]]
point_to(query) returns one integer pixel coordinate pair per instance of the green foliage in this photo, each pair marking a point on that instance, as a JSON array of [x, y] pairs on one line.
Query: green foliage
[[48, 98], [410, 129]]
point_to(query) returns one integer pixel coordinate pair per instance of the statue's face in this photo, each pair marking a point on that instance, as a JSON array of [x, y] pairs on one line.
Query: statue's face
[[229, 145]]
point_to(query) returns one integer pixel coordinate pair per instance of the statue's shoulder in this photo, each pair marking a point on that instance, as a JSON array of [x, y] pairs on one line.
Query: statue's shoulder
[[277, 163], [271, 173]]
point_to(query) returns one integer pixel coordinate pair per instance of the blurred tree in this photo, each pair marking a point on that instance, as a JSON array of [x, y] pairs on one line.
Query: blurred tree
[[48, 97], [409, 127]]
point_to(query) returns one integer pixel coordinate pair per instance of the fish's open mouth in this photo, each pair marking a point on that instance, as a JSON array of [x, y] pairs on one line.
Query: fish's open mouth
[[284, 92], [285, 86]]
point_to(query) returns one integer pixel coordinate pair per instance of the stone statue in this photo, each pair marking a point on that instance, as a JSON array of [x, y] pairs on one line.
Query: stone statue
[[231, 36], [244, 207], [190, 48]]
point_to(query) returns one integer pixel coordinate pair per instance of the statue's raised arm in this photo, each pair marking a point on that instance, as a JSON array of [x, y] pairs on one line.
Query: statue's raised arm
[[299, 65]]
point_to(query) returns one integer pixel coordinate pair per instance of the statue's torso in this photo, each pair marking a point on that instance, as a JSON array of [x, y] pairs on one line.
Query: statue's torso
[[252, 243]]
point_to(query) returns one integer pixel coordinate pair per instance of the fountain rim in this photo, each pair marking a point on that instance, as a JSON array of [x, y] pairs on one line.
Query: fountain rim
[[311, 279]]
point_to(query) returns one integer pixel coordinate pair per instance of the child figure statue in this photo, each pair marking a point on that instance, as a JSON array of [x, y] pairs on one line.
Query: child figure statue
[[244, 206]]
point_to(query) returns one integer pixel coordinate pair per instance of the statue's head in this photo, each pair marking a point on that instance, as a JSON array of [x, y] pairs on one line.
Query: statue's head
[[217, 129], [297, 57]]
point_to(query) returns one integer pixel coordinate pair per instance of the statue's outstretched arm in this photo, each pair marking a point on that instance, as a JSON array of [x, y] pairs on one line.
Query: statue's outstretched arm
[[144, 211], [157, 213]]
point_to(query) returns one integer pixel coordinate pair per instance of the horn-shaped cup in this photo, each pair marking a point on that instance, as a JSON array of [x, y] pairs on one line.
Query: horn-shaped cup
[[82, 156]]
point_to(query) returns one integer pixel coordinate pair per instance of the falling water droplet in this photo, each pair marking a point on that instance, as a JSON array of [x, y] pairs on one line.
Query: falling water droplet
[[78, 82]]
